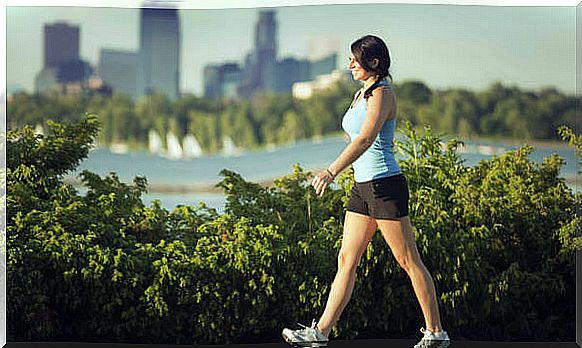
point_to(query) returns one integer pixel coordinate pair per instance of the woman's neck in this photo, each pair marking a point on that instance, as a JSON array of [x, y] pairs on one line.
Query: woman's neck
[[369, 82]]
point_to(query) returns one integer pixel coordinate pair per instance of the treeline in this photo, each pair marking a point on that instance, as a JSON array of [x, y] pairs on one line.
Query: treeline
[[499, 239], [498, 111]]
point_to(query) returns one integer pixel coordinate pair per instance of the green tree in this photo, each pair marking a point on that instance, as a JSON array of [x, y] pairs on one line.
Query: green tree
[[205, 128], [153, 112], [243, 130], [292, 128], [414, 91]]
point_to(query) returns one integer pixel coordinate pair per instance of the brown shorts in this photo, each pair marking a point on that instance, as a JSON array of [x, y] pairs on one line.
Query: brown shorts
[[384, 198]]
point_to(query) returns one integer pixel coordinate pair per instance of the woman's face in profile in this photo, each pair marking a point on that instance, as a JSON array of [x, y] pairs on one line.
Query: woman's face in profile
[[358, 73]]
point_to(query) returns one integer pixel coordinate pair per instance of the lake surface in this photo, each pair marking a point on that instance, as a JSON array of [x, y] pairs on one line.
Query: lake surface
[[202, 173]]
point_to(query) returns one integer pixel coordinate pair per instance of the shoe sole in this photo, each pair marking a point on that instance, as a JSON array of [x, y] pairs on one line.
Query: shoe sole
[[305, 344], [434, 344]]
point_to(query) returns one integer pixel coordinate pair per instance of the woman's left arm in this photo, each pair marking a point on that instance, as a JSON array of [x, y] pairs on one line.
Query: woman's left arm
[[380, 107]]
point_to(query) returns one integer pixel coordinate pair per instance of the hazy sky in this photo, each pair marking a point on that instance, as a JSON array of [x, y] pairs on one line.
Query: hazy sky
[[442, 45]]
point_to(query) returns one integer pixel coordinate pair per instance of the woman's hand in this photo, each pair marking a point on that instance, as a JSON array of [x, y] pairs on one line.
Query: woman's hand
[[321, 181]]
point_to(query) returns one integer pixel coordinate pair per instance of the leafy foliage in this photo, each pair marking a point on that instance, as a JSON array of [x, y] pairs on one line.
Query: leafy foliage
[[499, 239]]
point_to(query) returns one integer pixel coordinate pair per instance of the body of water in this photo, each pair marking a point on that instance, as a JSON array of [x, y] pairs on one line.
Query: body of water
[[176, 182]]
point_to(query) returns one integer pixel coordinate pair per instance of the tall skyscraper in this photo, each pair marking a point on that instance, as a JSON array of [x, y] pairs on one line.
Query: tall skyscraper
[[266, 38], [61, 60], [61, 44], [160, 49], [260, 65]]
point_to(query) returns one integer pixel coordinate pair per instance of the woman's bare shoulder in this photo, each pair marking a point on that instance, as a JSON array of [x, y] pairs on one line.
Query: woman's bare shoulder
[[384, 94], [386, 97]]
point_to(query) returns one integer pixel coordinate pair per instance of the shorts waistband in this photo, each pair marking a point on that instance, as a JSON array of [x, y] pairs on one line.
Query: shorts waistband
[[391, 177]]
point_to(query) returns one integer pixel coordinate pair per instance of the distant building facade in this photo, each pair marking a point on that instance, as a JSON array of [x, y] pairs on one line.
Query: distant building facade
[[261, 63], [160, 50], [222, 81], [61, 44], [289, 71], [121, 71], [322, 66], [75, 70], [91, 86], [305, 89], [45, 80]]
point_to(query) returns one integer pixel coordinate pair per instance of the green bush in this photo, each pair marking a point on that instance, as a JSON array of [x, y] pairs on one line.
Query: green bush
[[498, 238]]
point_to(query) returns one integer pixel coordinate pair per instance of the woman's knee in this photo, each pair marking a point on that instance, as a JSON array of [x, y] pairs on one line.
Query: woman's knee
[[410, 262], [347, 260]]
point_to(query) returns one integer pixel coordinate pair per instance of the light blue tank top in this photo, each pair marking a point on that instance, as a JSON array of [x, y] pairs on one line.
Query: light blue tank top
[[378, 161]]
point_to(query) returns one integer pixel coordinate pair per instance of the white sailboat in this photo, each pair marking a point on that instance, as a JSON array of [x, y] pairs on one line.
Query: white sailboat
[[228, 147], [174, 150], [191, 147], [155, 142]]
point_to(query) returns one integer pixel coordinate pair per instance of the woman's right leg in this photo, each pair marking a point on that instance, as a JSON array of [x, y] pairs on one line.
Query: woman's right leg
[[358, 231], [400, 238]]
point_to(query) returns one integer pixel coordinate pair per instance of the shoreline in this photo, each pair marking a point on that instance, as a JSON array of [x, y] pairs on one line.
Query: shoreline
[[536, 143], [212, 189], [176, 189]]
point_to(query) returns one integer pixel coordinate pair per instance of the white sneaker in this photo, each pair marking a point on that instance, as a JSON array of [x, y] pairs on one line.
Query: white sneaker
[[433, 339], [306, 337]]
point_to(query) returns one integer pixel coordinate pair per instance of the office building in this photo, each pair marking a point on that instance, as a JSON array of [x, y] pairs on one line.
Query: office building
[[289, 71], [322, 66], [45, 80], [222, 81], [160, 50], [61, 62], [61, 44], [212, 82], [120, 70], [260, 64], [306, 89]]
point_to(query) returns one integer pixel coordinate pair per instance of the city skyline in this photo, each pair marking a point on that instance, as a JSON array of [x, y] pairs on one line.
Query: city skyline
[[155, 67], [528, 47], [264, 70]]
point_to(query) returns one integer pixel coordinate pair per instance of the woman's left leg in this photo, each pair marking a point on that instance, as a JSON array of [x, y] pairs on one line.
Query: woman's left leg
[[399, 236], [358, 231]]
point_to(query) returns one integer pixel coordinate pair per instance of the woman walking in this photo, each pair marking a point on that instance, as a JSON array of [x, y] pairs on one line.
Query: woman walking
[[379, 198]]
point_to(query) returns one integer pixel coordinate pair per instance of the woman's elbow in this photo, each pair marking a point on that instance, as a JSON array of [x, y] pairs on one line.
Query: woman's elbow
[[365, 141]]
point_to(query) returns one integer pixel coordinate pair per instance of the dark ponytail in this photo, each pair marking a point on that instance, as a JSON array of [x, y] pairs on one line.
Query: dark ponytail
[[368, 92]]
